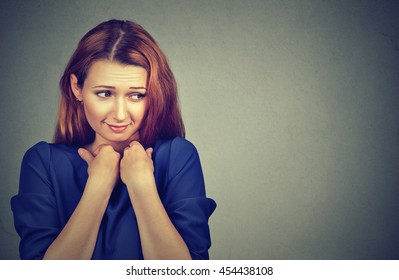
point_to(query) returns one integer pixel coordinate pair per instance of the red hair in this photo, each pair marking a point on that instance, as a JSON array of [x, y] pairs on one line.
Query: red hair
[[128, 43]]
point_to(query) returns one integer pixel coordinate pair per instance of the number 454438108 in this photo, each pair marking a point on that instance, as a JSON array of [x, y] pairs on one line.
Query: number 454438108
[[246, 270]]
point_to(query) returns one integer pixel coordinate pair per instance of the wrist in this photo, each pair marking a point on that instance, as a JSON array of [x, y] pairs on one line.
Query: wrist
[[99, 188], [142, 189]]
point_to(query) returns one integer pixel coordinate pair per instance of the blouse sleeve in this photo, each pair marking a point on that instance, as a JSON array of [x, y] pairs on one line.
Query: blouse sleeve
[[34, 207], [185, 199]]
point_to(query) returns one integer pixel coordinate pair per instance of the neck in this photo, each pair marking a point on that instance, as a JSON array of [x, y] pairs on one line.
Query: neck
[[118, 146]]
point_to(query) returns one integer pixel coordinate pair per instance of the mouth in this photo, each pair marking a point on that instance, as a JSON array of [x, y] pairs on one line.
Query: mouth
[[118, 128]]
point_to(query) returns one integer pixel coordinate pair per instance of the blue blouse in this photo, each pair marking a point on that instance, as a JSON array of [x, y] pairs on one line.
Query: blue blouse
[[52, 180]]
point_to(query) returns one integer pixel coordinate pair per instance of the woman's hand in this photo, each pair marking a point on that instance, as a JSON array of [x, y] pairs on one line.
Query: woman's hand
[[136, 167], [78, 238], [103, 165], [158, 236]]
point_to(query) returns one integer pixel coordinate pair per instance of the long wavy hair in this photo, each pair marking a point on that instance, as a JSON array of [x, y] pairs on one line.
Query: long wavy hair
[[128, 43]]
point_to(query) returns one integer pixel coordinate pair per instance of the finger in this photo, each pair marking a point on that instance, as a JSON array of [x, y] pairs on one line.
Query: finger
[[135, 144], [99, 148], [149, 152], [85, 155], [125, 149]]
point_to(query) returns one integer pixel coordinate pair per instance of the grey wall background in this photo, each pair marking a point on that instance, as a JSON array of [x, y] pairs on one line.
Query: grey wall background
[[293, 106]]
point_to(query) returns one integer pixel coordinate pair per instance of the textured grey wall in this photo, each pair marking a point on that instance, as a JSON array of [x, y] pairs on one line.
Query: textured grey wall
[[293, 106]]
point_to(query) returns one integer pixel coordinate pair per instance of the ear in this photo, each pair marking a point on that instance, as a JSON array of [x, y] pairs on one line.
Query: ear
[[75, 87]]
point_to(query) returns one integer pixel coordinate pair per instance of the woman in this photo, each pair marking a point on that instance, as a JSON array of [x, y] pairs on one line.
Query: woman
[[119, 181]]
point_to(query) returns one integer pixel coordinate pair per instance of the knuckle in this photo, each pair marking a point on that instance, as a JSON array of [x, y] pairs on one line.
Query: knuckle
[[135, 144], [107, 148], [126, 151]]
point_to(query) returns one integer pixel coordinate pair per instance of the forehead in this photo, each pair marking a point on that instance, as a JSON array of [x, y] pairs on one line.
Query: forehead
[[114, 73]]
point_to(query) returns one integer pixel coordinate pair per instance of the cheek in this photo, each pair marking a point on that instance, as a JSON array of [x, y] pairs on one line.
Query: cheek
[[94, 113], [139, 112]]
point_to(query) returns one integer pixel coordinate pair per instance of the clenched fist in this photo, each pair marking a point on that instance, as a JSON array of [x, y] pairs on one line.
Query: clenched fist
[[136, 167]]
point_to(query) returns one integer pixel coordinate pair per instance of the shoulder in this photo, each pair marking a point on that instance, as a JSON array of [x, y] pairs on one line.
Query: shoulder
[[176, 144], [175, 148], [47, 152], [38, 153], [176, 156], [40, 148], [178, 170]]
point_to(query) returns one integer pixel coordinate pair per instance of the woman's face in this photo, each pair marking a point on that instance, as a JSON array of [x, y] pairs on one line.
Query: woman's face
[[114, 100]]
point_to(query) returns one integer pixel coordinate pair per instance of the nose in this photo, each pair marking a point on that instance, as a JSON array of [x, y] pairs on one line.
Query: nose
[[120, 110]]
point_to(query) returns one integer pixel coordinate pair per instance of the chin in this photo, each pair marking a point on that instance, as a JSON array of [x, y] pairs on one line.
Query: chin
[[123, 139]]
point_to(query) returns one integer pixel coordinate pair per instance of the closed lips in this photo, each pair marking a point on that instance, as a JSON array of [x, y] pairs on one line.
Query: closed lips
[[118, 128]]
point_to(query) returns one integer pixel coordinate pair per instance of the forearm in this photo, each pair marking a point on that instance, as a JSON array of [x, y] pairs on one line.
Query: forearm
[[159, 237], [78, 238]]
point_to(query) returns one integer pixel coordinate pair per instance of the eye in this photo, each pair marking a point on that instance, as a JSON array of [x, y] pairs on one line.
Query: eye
[[104, 94], [137, 96]]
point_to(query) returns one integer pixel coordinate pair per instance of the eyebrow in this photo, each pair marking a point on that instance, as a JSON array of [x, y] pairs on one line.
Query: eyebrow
[[111, 87]]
